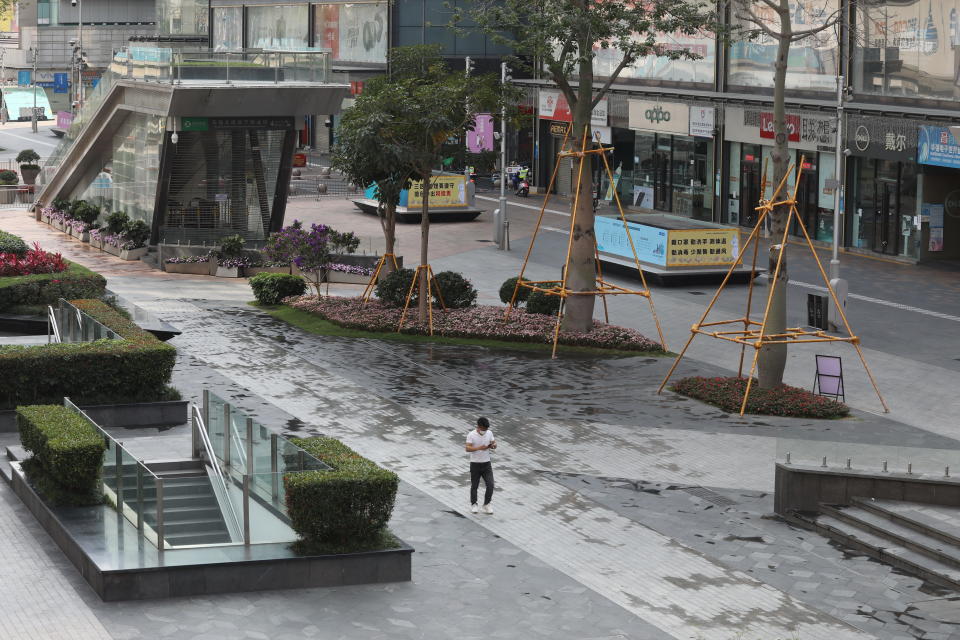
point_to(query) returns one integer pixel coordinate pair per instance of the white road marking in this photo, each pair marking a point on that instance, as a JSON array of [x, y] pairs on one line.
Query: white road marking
[[30, 139], [525, 206]]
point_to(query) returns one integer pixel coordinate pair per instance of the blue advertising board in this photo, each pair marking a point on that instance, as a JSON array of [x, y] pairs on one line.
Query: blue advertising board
[[23, 78], [938, 147], [61, 83], [649, 242]]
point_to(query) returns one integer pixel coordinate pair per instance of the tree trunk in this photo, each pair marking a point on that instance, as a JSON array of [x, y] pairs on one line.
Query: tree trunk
[[389, 237], [773, 358], [424, 240], [582, 273]]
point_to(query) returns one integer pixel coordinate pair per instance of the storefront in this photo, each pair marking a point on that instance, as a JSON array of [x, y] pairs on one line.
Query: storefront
[[673, 161], [882, 186], [749, 136], [938, 154], [554, 118]]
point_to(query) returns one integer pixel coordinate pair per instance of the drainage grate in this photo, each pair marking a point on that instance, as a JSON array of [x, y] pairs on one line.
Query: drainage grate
[[696, 293], [710, 496]]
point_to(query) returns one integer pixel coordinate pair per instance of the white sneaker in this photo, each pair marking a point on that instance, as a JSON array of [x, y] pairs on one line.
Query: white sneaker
[[474, 508], [488, 509]]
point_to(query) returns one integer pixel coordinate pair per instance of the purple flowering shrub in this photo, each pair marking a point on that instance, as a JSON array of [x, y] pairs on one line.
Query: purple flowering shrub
[[472, 322]]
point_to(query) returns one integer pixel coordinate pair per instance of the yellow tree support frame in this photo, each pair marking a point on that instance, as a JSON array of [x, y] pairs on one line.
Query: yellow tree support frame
[[368, 291], [603, 288], [415, 284], [754, 333]]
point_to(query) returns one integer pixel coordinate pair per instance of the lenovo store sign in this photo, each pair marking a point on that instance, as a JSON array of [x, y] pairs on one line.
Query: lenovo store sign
[[756, 126]]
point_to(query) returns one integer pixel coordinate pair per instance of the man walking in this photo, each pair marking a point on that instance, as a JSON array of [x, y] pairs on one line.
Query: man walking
[[479, 443]]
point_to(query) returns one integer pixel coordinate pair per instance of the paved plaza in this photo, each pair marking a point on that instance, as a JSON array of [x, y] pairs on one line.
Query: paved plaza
[[619, 513]]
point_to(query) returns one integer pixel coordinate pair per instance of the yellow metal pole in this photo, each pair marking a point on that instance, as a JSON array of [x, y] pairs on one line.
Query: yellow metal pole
[[753, 270], [406, 304], [606, 311], [536, 229]]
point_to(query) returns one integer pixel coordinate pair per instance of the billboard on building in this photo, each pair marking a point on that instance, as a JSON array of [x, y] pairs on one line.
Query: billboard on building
[[354, 32], [553, 106]]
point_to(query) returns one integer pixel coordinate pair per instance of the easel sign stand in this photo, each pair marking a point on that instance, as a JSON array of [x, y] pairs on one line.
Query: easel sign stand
[[754, 334], [603, 288]]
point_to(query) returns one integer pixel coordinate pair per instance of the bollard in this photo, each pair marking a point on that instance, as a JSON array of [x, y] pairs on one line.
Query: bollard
[[910, 468], [788, 457], [824, 461], [848, 463], [946, 472], [884, 466]]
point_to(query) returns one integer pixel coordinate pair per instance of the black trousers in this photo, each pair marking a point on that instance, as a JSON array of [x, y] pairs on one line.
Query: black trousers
[[478, 470]]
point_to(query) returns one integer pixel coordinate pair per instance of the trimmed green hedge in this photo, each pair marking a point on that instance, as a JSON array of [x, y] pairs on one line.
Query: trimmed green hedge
[[271, 288], [47, 288], [10, 243], [67, 452], [351, 503], [136, 369]]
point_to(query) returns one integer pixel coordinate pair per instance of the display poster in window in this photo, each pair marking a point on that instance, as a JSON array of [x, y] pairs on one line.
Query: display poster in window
[[445, 191], [354, 32], [934, 214], [702, 247], [649, 242]]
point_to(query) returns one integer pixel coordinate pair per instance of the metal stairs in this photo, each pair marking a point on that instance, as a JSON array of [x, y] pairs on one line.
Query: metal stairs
[[922, 539]]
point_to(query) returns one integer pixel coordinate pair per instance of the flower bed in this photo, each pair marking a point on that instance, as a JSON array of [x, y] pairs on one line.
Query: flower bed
[[727, 393], [485, 322], [33, 262], [351, 269]]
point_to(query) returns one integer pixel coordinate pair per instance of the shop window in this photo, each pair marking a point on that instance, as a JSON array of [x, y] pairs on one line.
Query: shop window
[[277, 27], [227, 28]]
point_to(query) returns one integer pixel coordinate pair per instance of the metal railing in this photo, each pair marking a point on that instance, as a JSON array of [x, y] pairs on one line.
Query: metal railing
[[116, 460], [217, 479], [67, 323]]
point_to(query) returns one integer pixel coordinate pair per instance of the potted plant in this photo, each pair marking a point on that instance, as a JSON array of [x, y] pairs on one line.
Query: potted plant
[[230, 258], [112, 235], [84, 216], [197, 265], [133, 244], [96, 238], [8, 191], [29, 169]]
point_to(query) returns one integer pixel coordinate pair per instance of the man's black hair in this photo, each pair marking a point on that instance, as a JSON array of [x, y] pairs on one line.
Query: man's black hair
[[483, 422]]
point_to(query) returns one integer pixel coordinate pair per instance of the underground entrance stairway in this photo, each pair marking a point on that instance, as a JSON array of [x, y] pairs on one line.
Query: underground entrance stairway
[[922, 539], [191, 513]]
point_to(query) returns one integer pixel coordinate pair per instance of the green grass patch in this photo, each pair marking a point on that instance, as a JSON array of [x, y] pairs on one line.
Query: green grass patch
[[316, 325]]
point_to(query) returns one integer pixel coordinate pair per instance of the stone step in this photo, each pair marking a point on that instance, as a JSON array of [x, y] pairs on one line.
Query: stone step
[[896, 533], [199, 537], [937, 521], [884, 550]]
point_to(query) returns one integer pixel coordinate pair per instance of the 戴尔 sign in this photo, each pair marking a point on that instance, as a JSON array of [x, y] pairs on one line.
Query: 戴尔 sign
[[445, 191], [938, 147], [882, 138], [662, 117], [702, 247], [553, 106]]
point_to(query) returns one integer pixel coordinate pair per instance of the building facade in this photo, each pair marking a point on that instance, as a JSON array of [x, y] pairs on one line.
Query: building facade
[[692, 138]]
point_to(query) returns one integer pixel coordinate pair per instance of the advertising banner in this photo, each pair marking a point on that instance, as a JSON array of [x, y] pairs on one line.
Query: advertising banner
[[362, 32], [553, 106], [662, 117], [933, 213], [702, 247], [445, 191], [702, 121], [480, 138], [64, 119], [650, 242], [938, 147]]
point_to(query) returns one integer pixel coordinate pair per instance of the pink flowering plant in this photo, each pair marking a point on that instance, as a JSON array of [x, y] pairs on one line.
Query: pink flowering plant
[[351, 268], [485, 322], [784, 400]]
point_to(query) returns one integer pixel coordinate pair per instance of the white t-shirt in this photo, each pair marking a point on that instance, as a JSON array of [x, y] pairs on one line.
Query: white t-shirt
[[474, 439]]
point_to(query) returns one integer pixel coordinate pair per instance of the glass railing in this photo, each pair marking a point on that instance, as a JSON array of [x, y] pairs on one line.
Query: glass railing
[[135, 492], [69, 324], [869, 458]]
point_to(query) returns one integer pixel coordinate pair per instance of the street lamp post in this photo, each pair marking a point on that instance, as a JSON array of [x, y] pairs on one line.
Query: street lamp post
[[33, 116]]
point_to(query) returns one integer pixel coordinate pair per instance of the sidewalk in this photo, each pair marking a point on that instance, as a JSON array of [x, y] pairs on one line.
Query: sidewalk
[[582, 440]]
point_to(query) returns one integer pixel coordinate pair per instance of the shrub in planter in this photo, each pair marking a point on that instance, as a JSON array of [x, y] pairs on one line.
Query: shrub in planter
[[117, 222], [67, 452], [10, 243], [85, 212], [506, 292], [135, 369], [46, 288], [393, 289], [727, 393], [136, 235], [539, 302], [271, 288], [8, 177], [457, 291], [352, 502]]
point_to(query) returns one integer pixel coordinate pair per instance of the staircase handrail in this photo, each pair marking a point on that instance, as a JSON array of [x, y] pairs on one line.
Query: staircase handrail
[[218, 480], [52, 325]]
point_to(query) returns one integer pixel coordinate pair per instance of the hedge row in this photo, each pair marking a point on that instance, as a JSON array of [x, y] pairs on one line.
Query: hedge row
[[351, 503], [67, 452], [135, 369], [10, 243], [47, 288]]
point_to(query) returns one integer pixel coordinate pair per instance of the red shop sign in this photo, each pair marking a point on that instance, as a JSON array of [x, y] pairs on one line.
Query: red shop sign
[[793, 126]]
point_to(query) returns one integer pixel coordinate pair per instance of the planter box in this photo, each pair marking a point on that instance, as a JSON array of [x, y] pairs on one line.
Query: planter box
[[195, 268], [133, 254], [56, 224], [252, 271], [85, 236], [347, 278], [44, 218], [308, 275], [228, 272], [96, 243], [112, 250]]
